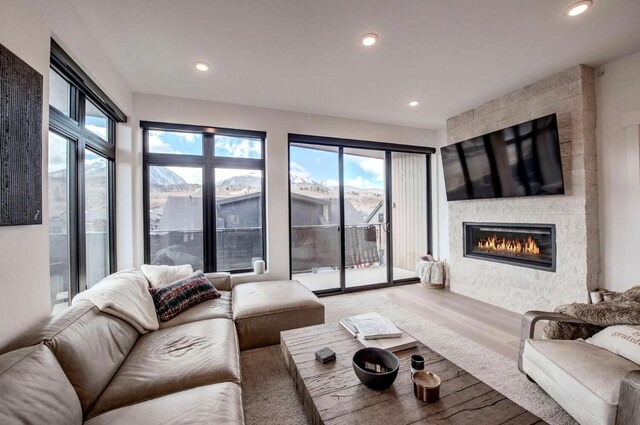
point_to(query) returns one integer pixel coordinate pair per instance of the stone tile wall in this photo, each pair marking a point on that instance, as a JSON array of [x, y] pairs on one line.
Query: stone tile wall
[[571, 95]]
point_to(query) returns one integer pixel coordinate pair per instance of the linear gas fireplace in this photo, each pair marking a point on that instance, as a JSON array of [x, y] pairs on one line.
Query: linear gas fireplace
[[525, 245]]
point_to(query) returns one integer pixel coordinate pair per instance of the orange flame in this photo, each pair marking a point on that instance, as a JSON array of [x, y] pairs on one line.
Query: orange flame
[[526, 246]]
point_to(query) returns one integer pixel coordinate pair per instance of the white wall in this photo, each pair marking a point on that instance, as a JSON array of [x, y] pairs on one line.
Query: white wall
[[26, 27], [617, 93], [277, 124]]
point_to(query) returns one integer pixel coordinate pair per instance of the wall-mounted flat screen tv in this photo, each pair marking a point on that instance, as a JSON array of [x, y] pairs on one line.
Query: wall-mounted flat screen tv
[[523, 160]]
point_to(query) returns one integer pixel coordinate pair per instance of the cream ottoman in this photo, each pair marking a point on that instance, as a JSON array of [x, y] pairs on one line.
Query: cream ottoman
[[262, 310]]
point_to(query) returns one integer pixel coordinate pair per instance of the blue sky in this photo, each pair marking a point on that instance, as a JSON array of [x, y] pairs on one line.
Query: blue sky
[[319, 165], [191, 144], [359, 171]]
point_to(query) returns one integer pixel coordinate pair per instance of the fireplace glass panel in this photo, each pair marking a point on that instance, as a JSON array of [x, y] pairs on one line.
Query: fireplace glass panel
[[530, 245]]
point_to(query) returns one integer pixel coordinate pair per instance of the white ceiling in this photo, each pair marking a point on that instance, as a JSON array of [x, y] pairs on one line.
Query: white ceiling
[[304, 55]]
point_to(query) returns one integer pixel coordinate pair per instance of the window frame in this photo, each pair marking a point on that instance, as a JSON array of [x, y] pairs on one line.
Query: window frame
[[388, 149], [80, 139], [208, 162]]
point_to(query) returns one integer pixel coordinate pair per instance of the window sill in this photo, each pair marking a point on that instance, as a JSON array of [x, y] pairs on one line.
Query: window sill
[[248, 277]]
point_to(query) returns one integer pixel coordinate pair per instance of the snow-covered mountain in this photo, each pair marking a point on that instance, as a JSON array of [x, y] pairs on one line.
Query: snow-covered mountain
[[95, 167], [300, 179], [162, 176], [236, 182]]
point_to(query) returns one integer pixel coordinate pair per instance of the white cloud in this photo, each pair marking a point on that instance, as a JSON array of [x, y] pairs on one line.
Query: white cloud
[[157, 145], [191, 175], [298, 169], [361, 183], [373, 166], [58, 154], [96, 129], [331, 183], [239, 148]]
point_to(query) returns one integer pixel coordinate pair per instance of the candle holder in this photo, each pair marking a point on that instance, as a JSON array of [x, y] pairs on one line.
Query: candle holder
[[426, 386]]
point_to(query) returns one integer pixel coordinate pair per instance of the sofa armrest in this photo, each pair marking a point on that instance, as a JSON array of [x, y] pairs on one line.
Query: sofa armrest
[[629, 401], [221, 280], [529, 321]]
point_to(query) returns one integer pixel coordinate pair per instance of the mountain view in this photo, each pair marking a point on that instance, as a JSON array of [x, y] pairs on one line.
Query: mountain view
[[363, 200]]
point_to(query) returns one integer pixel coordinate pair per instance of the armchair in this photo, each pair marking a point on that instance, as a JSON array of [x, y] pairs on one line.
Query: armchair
[[593, 385]]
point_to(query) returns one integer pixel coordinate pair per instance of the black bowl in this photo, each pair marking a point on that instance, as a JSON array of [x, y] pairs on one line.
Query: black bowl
[[366, 360]]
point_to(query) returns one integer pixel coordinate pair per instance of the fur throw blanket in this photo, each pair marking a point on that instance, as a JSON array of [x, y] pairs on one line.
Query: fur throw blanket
[[622, 309]]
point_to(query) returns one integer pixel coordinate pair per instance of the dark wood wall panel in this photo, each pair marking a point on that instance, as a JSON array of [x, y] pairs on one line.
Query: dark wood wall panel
[[20, 141]]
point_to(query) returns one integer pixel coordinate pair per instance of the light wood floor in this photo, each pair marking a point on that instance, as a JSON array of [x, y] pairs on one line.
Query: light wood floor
[[354, 277], [493, 327]]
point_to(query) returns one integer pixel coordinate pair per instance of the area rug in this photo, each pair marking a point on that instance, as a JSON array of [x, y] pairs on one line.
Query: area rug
[[270, 396]]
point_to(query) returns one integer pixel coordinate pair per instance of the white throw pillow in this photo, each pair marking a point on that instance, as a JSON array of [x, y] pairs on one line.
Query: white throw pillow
[[159, 276], [623, 340]]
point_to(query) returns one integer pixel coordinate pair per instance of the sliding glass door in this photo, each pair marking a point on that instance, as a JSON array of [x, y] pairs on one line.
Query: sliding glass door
[[365, 223], [316, 232], [359, 213]]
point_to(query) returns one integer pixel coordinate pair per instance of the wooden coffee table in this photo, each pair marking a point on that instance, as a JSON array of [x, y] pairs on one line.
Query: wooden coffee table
[[332, 394]]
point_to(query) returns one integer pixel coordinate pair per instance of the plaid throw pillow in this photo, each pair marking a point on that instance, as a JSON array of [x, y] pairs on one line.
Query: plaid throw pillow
[[173, 299]]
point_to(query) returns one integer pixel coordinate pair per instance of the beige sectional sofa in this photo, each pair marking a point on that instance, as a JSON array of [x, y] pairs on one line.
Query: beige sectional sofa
[[85, 366]]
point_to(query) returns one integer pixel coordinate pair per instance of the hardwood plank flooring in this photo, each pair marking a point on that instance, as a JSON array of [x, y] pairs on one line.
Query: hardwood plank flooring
[[493, 327]]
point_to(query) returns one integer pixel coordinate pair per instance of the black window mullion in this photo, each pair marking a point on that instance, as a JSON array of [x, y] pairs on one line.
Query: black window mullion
[[173, 160], [111, 208], [97, 144], [146, 189], [209, 204], [429, 207], [343, 271], [240, 163], [80, 196]]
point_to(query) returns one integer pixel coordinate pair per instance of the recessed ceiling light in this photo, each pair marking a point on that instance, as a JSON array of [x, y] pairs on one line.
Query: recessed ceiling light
[[202, 66], [414, 103], [369, 39], [578, 8]]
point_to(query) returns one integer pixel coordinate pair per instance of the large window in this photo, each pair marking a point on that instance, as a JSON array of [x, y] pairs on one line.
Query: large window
[[80, 180], [204, 196]]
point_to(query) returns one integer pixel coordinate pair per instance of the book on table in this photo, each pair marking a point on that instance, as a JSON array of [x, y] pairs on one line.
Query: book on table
[[376, 328], [389, 337]]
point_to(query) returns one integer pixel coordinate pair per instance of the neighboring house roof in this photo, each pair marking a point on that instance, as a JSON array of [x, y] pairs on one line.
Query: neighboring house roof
[[184, 213], [351, 214], [181, 213], [234, 199], [311, 199]]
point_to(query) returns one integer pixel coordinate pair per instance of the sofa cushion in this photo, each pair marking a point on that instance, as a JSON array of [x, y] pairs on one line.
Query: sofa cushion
[[35, 390], [209, 404], [218, 308], [159, 276], [623, 340], [173, 299], [89, 345], [262, 310], [174, 359], [583, 378]]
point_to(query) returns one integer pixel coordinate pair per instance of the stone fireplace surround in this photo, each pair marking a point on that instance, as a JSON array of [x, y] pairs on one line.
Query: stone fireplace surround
[[571, 95]]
